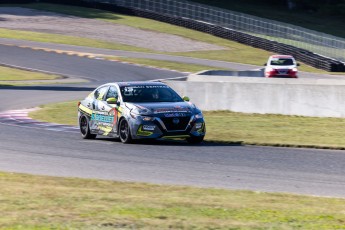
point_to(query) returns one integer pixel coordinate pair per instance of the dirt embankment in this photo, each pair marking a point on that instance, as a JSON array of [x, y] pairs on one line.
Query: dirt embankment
[[40, 21]]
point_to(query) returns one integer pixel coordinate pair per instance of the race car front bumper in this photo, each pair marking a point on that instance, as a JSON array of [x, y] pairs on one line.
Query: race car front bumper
[[158, 127]]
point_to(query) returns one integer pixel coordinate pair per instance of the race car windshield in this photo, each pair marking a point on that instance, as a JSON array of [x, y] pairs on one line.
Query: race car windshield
[[149, 93], [282, 61]]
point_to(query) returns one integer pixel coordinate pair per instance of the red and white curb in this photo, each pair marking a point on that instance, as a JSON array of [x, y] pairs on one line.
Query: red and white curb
[[21, 118]]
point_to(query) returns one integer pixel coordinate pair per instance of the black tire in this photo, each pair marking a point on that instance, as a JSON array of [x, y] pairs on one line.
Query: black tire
[[85, 128], [125, 132], [195, 140]]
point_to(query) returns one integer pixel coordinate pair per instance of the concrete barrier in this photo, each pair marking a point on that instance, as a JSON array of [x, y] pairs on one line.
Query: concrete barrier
[[228, 73], [304, 97]]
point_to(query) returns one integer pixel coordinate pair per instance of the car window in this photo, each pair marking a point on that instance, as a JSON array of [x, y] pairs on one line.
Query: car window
[[282, 61], [99, 93], [112, 93]]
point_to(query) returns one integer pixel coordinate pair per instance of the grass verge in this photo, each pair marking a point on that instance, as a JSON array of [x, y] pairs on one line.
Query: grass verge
[[40, 202], [12, 74], [234, 52], [275, 130], [231, 127], [17, 77]]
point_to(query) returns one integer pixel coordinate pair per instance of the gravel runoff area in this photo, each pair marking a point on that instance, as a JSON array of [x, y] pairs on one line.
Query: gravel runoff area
[[18, 18]]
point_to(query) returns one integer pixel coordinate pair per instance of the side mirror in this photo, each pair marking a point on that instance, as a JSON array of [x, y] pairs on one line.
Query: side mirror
[[185, 98], [298, 64], [112, 101], [265, 64]]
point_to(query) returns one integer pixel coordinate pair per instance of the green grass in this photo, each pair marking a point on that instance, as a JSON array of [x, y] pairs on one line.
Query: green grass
[[63, 113], [234, 52], [9, 83], [12, 74], [275, 130], [231, 127], [17, 77], [40, 202]]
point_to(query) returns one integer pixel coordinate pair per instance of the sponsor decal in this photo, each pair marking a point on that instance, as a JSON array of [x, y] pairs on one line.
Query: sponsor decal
[[106, 130], [85, 109], [149, 127], [156, 86], [172, 110], [132, 88], [102, 118], [105, 119], [175, 115]]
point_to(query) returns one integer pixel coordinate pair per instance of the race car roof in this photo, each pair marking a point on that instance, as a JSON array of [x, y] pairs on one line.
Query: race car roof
[[282, 56], [133, 83]]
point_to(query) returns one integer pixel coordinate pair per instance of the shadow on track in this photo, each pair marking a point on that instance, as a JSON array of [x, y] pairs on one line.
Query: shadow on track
[[164, 142]]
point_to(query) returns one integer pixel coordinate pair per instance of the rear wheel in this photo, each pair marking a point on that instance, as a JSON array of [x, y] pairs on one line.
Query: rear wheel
[[85, 128], [125, 132], [195, 140]]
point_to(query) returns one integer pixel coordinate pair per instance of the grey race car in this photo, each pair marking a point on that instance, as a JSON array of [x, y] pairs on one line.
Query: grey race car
[[139, 110]]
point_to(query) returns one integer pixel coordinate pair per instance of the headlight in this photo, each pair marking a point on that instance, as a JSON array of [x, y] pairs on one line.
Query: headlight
[[270, 69], [139, 112], [199, 115], [147, 118]]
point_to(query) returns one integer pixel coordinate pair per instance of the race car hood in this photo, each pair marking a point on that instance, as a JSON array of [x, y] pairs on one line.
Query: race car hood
[[164, 107]]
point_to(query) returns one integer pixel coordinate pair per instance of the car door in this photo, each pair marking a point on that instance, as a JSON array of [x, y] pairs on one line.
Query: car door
[[108, 113], [96, 116]]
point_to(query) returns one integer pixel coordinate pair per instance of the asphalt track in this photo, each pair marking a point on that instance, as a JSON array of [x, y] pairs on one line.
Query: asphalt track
[[63, 153], [107, 52]]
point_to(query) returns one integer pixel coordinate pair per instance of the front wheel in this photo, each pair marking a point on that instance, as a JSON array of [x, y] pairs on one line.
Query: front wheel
[[125, 132], [195, 140], [85, 128]]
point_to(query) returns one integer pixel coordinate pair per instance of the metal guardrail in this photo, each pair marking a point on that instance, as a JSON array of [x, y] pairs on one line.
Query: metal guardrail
[[316, 42]]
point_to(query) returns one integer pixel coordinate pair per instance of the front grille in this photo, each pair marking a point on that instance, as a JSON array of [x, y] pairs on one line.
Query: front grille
[[283, 71], [170, 125]]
